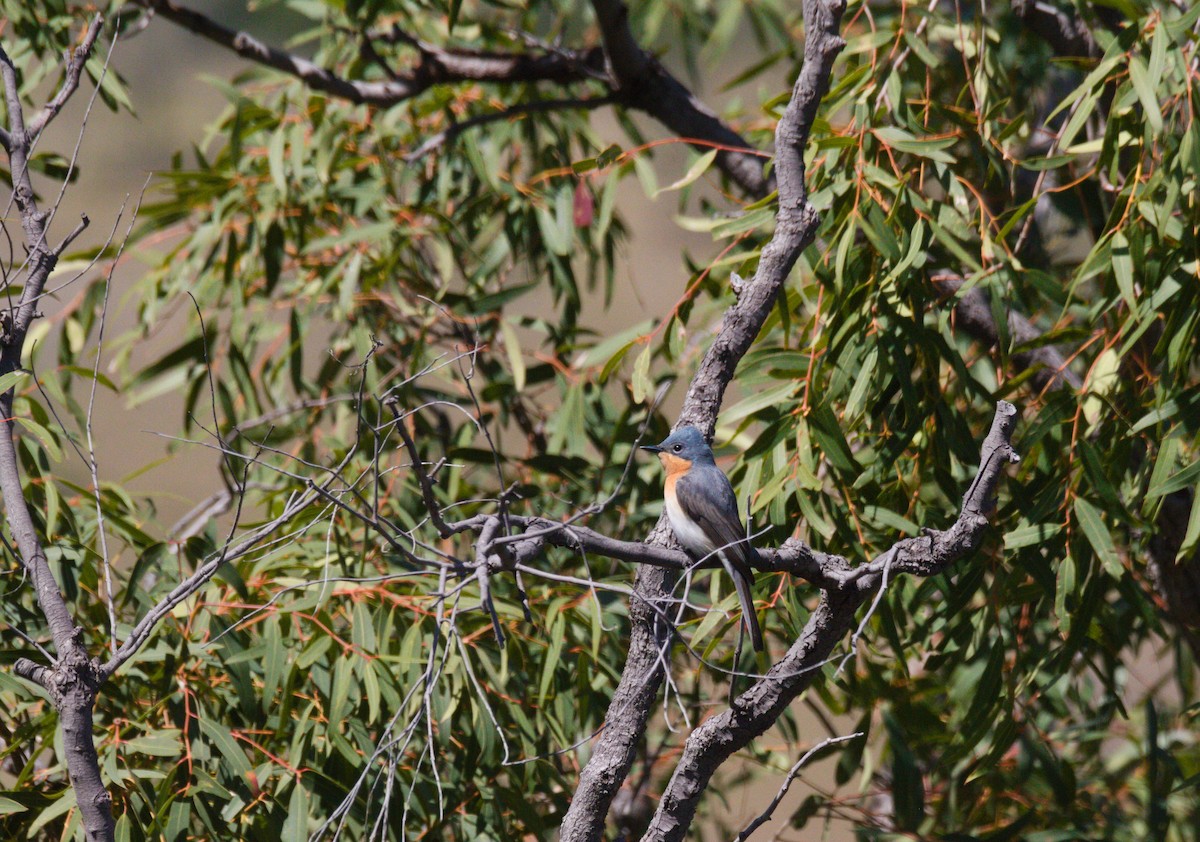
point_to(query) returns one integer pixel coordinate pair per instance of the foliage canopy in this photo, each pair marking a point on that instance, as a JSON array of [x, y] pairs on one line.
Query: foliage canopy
[[343, 676]]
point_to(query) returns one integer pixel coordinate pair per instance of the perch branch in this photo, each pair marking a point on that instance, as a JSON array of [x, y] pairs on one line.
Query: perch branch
[[633, 699]]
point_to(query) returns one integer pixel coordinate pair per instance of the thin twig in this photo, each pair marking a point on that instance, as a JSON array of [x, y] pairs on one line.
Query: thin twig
[[792, 774]]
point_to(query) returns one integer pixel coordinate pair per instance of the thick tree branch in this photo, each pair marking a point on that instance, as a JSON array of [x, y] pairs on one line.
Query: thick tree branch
[[794, 556], [796, 222], [643, 83], [757, 709], [632, 701], [73, 679]]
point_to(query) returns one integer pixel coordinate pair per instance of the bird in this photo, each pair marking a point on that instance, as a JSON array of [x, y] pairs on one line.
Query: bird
[[703, 513]]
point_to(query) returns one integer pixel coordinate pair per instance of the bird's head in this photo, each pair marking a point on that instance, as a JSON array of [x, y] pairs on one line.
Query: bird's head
[[682, 448]]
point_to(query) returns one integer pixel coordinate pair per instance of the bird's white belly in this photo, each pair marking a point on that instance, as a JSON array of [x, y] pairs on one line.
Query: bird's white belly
[[687, 531]]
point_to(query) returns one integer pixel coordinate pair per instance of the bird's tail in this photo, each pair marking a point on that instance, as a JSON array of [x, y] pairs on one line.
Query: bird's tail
[[742, 585]]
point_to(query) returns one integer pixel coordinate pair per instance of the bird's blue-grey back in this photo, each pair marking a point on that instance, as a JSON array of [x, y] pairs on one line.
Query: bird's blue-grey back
[[707, 498]]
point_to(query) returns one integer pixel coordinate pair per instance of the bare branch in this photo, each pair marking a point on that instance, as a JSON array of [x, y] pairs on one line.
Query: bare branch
[[213, 506], [75, 232], [792, 774], [93, 465], [436, 65], [392, 402]]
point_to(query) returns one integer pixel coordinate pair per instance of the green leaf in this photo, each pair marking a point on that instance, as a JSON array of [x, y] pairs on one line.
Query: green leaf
[[556, 634], [223, 741], [697, 169], [57, 808], [8, 806], [10, 380], [1031, 535], [45, 438], [512, 348], [615, 360], [1191, 537], [646, 175], [1064, 593], [1176, 482], [1144, 87], [641, 384], [164, 743], [295, 829], [758, 401], [890, 519], [275, 161], [930, 148], [557, 238], [829, 437], [1123, 271], [1092, 523], [1188, 401]]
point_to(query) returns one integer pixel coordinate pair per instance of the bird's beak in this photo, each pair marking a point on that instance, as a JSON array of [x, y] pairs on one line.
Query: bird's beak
[[653, 448]]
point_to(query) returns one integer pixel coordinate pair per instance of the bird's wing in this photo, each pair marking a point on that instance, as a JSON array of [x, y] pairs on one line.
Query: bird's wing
[[707, 498]]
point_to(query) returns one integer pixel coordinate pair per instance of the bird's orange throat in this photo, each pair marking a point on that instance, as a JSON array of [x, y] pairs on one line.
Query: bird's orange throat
[[674, 466]]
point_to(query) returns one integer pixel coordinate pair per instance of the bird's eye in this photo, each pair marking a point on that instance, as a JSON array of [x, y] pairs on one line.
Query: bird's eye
[[677, 448]]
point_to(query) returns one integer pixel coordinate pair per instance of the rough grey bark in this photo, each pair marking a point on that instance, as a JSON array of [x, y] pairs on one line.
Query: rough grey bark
[[633, 700], [74, 677]]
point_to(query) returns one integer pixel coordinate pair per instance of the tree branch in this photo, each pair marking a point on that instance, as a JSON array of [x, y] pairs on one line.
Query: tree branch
[[794, 556], [974, 315], [635, 78], [73, 679], [436, 66], [796, 223], [643, 83], [796, 228], [70, 82]]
